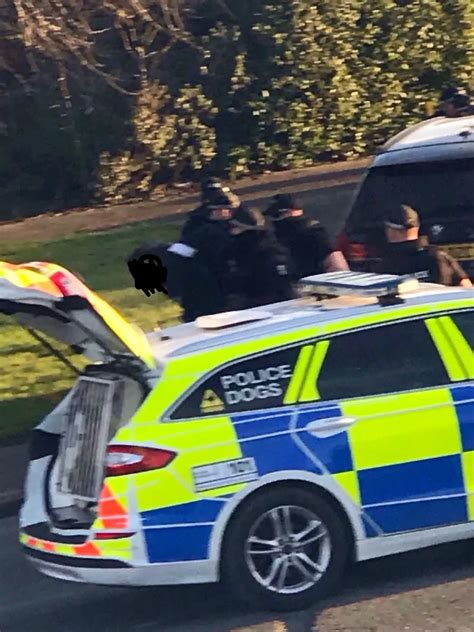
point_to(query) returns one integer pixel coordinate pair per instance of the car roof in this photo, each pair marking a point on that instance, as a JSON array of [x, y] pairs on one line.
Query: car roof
[[434, 139], [189, 338]]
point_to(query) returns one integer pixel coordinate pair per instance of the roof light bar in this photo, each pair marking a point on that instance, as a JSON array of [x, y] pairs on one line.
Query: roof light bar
[[358, 284]]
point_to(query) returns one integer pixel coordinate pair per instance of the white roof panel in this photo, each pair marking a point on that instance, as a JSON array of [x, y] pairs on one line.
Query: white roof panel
[[301, 313]]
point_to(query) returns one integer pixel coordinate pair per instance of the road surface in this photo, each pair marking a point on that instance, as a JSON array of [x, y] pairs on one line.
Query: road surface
[[426, 591], [256, 191]]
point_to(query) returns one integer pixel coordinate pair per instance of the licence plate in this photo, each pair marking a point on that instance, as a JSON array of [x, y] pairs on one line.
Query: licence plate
[[459, 251], [224, 474]]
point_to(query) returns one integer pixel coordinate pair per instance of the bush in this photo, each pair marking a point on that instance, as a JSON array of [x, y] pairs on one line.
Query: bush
[[229, 86]]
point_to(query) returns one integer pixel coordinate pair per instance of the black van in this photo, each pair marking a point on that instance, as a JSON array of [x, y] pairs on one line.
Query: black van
[[430, 167]]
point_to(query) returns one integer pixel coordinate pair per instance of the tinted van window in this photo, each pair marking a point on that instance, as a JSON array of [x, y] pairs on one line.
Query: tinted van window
[[437, 190]]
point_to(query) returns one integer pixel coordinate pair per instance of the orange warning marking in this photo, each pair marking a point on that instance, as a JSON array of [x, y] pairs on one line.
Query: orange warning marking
[[111, 512], [88, 550], [49, 547]]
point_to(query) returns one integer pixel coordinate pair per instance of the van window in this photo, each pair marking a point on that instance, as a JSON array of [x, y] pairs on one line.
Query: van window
[[437, 190]]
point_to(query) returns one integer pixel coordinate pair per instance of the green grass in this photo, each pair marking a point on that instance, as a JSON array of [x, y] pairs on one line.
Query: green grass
[[32, 381]]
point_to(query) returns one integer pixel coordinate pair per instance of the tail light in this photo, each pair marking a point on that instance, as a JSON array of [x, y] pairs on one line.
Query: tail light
[[356, 251], [342, 242], [128, 459], [352, 250]]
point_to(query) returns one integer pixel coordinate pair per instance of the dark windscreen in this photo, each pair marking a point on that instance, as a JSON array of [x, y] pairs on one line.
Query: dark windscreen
[[443, 189]]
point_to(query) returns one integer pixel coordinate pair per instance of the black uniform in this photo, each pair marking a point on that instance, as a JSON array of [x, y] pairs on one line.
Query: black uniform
[[305, 239], [203, 272], [427, 262], [307, 242], [196, 219], [260, 273]]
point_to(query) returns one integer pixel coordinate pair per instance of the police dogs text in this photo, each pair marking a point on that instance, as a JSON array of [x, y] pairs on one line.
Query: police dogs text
[[251, 385]]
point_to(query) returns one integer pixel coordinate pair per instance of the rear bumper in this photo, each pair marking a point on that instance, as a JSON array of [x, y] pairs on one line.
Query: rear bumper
[[79, 556], [108, 572]]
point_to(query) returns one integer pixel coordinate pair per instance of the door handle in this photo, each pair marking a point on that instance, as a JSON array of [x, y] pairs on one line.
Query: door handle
[[328, 427]]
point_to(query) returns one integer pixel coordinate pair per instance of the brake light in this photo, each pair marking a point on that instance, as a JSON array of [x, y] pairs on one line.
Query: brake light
[[356, 251], [342, 242], [129, 459]]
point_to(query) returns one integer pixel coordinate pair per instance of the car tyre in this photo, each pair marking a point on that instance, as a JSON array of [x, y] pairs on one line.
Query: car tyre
[[264, 570]]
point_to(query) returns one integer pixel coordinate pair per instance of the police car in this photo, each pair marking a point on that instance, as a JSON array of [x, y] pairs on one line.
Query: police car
[[267, 448]]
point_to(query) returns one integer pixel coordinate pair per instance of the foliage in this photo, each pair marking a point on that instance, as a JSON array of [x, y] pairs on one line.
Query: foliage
[[105, 99], [172, 137]]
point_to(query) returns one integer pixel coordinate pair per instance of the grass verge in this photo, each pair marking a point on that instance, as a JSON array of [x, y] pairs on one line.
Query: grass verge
[[32, 381]]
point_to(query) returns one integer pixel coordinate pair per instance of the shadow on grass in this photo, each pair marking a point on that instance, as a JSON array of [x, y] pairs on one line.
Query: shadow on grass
[[19, 416], [99, 258]]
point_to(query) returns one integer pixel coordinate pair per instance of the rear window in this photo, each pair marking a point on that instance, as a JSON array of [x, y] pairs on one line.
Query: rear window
[[435, 189]]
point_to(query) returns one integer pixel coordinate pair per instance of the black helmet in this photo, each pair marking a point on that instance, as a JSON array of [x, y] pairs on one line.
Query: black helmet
[[219, 207], [452, 92], [281, 206], [220, 197], [212, 187]]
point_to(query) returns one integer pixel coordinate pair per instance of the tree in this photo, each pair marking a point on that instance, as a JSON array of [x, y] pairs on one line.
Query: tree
[[107, 98], [172, 138]]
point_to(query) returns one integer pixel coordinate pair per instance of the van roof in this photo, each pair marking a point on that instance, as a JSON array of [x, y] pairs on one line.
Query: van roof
[[434, 139], [304, 313]]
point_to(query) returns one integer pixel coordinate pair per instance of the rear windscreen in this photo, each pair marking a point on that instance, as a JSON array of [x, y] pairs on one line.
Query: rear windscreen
[[443, 189]]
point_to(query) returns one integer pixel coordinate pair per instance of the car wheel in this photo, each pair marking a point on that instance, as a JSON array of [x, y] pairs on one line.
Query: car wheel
[[284, 549]]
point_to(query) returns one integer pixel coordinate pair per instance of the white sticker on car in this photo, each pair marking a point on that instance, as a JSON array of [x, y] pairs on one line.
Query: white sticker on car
[[259, 384], [224, 474]]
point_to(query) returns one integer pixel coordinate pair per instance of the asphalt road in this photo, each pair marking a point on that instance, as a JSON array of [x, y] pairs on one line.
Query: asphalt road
[[255, 191], [426, 591]]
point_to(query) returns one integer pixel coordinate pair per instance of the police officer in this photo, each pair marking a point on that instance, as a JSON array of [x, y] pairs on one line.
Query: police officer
[[454, 102], [211, 190], [306, 240], [260, 274], [201, 258], [406, 253]]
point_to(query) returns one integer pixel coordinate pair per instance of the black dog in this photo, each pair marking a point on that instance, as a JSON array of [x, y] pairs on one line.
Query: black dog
[[149, 273]]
